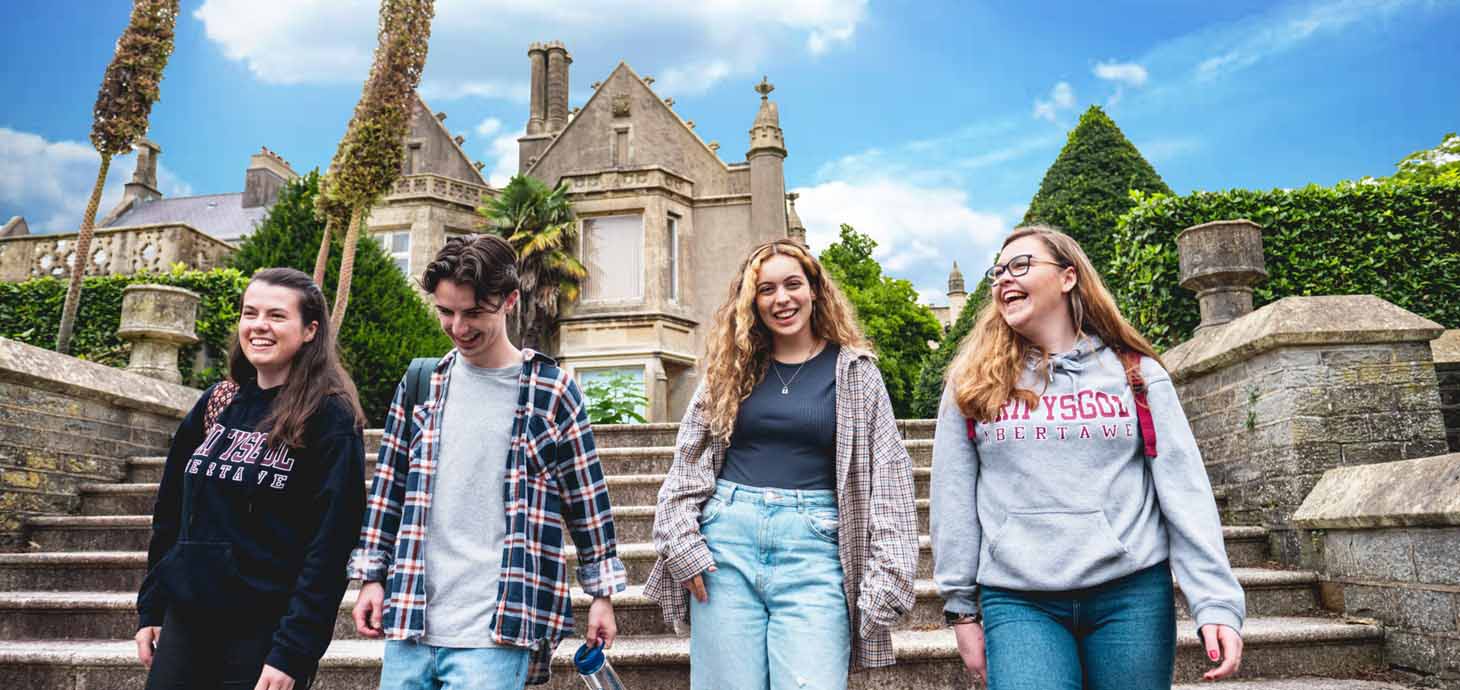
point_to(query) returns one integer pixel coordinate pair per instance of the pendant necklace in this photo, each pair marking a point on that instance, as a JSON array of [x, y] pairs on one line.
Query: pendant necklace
[[786, 383]]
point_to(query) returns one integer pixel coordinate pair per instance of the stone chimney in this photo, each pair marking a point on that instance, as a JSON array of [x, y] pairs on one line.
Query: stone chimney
[[537, 117], [558, 61], [767, 157], [143, 186], [267, 174], [1220, 262]]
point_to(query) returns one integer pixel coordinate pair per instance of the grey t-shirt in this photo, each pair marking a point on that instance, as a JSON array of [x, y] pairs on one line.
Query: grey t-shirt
[[467, 521], [788, 441]]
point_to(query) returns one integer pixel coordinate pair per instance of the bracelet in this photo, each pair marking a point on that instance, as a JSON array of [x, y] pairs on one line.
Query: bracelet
[[952, 618]]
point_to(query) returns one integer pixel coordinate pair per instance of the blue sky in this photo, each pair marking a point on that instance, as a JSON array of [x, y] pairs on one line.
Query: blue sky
[[925, 124]]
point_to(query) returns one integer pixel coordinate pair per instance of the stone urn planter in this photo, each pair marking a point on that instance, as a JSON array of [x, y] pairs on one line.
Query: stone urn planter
[[158, 320]]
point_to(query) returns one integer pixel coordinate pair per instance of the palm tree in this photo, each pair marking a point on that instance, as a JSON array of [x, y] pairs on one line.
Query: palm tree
[[539, 223], [129, 87]]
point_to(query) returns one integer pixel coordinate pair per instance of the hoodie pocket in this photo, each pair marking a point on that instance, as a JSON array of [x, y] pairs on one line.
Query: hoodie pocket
[[1053, 551], [204, 575]]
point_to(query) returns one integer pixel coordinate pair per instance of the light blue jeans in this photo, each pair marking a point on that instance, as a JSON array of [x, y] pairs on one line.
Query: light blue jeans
[[776, 618], [1117, 636], [410, 665]]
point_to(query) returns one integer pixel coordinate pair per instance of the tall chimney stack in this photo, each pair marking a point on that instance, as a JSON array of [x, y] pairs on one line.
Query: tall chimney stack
[[143, 186], [537, 119], [557, 86]]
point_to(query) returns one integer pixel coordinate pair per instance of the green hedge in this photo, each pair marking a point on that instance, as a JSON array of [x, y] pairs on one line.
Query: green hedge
[[30, 312], [1397, 240]]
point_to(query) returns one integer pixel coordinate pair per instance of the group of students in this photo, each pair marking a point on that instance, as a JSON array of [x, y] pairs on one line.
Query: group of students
[[1066, 491]]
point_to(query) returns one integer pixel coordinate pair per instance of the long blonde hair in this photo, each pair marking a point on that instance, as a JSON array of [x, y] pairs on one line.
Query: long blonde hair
[[985, 373], [739, 349]]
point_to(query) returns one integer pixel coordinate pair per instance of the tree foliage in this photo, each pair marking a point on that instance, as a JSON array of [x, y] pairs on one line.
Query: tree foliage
[[615, 399], [129, 87], [391, 325], [538, 222], [1088, 187], [888, 311], [928, 389], [1439, 164], [1398, 240]]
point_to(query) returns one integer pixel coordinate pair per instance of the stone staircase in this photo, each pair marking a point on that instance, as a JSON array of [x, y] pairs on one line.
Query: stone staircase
[[67, 606]]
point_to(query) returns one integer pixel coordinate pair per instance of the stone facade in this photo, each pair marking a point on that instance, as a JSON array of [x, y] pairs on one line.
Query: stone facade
[[66, 422], [113, 250], [1447, 367], [1385, 539]]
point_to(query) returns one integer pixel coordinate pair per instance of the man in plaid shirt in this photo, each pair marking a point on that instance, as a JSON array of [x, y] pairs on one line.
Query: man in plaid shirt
[[494, 464]]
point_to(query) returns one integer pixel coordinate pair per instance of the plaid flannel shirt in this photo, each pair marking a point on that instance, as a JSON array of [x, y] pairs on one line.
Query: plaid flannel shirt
[[554, 480], [878, 536]]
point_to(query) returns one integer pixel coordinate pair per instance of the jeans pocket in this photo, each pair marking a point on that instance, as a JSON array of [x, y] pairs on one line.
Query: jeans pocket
[[711, 510], [823, 523]]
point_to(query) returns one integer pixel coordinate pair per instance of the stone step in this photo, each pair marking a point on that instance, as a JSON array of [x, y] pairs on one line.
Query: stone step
[[1305, 683], [616, 461], [100, 615], [1273, 648], [623, 490]]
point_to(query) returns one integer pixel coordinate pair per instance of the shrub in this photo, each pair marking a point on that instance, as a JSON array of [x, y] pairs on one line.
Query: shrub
[[1397, 240], [614, 399]]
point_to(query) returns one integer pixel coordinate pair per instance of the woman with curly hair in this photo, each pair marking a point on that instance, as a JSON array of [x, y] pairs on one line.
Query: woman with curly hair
[[788, 511]]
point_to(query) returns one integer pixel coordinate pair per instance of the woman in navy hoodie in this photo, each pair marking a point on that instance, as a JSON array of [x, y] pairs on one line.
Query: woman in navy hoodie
[[259, 506]]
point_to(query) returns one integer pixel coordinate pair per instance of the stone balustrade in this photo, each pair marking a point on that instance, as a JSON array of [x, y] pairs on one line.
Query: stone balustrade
[[437, 187], [123, 250]]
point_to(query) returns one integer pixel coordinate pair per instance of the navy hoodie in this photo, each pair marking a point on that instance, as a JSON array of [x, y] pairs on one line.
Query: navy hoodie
[[278, 523]]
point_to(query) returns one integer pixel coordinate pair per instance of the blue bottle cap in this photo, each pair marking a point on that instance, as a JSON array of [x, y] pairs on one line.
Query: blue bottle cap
[[588, 659]]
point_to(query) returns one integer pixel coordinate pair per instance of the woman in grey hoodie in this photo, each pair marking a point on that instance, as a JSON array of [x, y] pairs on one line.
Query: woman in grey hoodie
[[1067, 488]]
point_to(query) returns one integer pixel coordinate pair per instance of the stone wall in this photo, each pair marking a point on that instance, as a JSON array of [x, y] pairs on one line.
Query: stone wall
[[1302, 386], [113, 251], [1447, 368], [1386, 539], [66, 422]]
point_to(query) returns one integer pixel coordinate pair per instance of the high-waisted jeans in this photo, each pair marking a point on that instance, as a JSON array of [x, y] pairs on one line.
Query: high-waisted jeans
[[776, 618], [1117, 636]]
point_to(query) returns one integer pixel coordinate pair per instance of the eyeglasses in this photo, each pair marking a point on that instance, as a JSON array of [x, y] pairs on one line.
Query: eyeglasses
[[1017, 266]]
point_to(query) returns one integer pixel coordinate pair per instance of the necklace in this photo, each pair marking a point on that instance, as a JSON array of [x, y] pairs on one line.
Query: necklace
[[786, 383]]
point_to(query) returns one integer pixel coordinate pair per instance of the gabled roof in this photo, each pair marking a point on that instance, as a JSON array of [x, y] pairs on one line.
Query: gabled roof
[[624, 67], [470, 164], [221, 216]]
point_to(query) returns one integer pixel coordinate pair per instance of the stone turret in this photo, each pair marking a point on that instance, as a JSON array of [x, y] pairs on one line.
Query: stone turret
[[267, 174], [795, 229], [143, 186], [957, 296], [767, 157]]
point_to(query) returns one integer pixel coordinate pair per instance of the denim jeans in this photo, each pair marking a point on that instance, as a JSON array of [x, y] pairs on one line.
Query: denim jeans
[[411, 665], [776, 616], [1117, 636], [197, 651]]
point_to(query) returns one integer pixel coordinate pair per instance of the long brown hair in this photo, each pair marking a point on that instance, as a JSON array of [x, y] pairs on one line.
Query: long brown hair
[[739, 349], [985, 373], [315, 374]]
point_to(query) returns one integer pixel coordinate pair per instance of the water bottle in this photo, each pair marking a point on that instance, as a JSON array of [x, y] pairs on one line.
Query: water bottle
[[595, 670]]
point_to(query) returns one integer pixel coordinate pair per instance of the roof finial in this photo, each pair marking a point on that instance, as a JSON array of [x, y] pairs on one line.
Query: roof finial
[[765, 87]]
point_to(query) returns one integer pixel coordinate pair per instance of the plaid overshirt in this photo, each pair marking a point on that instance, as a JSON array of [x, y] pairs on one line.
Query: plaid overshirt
[[878, 535], [554, 480]]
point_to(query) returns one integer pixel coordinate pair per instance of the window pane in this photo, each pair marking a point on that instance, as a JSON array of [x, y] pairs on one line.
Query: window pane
[[404, 264], [673, 258], [614, 248], [400, 241]]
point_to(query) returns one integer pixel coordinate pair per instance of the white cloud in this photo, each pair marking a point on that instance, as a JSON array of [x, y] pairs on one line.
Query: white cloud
[[917, 229], [49, 182], [694, 79], [1061, 98], [1124, 73], [503, 154], [1246, 43], [488, 127], [478, 47]]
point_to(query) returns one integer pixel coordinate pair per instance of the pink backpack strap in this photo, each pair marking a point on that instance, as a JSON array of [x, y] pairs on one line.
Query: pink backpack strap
[[219, 401], [1131, 360], [972, 428]]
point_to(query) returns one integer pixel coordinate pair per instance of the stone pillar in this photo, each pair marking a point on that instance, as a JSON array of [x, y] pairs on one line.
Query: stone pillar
[[537, 56], [767, 156], [1220, 262], [157, 320], [557, 86]]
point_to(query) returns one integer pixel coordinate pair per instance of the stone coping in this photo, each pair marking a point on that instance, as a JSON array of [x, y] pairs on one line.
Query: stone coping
[[1407, 493], [1323, 320], [60, 373], [119, 229], [1447, 347]]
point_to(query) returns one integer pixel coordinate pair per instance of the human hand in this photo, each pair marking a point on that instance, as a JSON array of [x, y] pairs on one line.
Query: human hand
[[147, 643], [696, 586], [1223, 644], [274, 679], [971, 648], [601, 625], [369, 607]]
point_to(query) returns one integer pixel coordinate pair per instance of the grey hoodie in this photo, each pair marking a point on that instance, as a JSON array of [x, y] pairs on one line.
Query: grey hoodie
[[1062, 497]]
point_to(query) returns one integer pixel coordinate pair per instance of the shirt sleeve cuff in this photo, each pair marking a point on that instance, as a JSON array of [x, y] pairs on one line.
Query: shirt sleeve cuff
[[963, 605], [148, 619], [298, 667], [603, 578], [1217, 614], [689, 562], [367, 566]]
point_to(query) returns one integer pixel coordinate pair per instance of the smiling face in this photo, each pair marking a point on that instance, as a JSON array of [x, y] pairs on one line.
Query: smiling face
[[476, 329], [1035, 302], [270, 328], [783, 297]]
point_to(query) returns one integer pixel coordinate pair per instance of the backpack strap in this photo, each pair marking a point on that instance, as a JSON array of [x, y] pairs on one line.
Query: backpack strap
[[1131, 360], [218, 401], [418, 383]]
